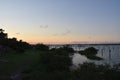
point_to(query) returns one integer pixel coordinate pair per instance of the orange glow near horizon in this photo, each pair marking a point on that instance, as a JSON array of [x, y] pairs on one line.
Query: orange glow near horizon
[[34, 37], [63, 40]]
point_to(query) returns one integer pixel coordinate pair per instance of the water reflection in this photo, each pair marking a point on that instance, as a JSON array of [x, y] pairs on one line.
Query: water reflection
[[78, 59], [110, 53]]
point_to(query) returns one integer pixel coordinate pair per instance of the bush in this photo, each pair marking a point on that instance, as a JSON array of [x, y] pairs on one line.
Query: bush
[[41, 47], [90, 53], [55, 61], [90, 71]]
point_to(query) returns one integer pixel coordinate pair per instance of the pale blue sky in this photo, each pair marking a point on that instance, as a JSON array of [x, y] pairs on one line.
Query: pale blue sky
[[61, 20]]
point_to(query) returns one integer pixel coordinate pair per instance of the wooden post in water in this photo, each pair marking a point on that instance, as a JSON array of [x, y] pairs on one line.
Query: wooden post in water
[[102, 52], [109, 55]]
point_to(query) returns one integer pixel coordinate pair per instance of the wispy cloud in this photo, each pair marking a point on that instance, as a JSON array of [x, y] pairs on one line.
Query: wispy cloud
[[44, 26], [18, 33], [62, 34], [66, 32]]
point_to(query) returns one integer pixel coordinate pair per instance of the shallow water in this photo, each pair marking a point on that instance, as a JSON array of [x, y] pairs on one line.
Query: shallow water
[[78, 59], [110, 54]]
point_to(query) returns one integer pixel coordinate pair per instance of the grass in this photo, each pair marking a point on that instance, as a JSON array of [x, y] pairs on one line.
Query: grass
[[53, 65], [18, 61], [91, 71]]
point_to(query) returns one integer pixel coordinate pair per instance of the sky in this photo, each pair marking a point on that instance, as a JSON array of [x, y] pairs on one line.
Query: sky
[[61, 21]]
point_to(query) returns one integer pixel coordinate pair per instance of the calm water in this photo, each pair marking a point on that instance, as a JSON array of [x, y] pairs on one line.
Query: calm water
[[110, 54]]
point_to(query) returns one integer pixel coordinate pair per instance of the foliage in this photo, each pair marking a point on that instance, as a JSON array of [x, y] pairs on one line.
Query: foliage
[[54, 65], [41, 47], [56, 60], [63, 50], [15, 62], [13, 43], [90, 53], [3, 35], [90, 71]]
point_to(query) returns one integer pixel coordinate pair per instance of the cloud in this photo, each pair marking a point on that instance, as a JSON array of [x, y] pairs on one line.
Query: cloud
[[44, 26], [18, 33], [62, 34], [67, 32]]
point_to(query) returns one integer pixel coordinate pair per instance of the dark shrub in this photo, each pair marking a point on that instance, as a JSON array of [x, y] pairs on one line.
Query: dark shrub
[[41, 47], [91, 71], [90, 53], [55, 61]]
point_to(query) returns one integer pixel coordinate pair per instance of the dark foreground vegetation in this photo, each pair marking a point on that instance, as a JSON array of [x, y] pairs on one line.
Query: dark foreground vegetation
[[90, 71], [22, 61], [90, 53], [11, 44]]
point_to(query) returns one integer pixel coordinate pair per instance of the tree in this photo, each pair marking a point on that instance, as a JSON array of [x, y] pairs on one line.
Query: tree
[[3, 35], [13, 43], [1, 30], [41, 47]]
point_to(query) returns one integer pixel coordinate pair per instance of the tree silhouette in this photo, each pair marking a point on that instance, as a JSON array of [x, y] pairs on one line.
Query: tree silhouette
[[1, 30], [12, 43], [3, 35]]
